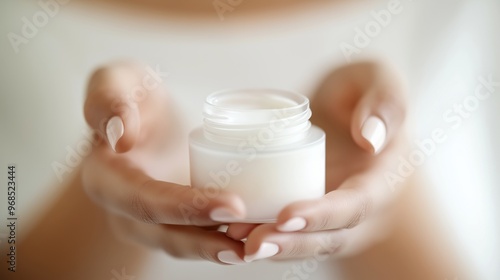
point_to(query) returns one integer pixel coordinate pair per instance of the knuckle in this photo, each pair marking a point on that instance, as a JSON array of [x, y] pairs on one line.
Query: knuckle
[[297, 248], [141, 207], [323, 221], [363, 205], [204, 254]]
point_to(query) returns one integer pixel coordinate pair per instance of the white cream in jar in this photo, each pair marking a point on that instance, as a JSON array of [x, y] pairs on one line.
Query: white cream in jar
[[260, 145]]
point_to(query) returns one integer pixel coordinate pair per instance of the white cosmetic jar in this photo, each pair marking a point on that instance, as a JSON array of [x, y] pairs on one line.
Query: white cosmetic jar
[[260, 145]]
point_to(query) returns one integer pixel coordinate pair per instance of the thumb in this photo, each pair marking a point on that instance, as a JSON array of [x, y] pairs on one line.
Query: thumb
[[109, 108], [378, 117]]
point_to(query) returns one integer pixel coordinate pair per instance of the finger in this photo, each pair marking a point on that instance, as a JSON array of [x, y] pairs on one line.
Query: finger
[[345, 207], [368, 98], [118, 185], [265, 242], [379, 114], [240, 231], [184, 242], [116, 95]]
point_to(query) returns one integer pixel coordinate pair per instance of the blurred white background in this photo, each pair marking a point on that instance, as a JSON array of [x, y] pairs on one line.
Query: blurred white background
[[441, 47]]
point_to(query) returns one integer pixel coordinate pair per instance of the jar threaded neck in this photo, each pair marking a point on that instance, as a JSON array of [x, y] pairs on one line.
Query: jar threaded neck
[[272, 117]]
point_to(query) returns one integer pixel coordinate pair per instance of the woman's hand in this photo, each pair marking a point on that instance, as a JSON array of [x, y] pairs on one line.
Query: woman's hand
[[361, 107], [130, 113]]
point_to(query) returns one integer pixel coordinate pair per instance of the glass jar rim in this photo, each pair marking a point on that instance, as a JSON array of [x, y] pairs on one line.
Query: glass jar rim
[[299, 99], [233, 115], [221, 103]]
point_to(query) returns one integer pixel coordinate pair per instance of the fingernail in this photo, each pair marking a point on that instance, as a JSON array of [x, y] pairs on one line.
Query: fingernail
[[114, 131], [294, 224], [229, 257], [223, 228], [374, 131], [266, 250], [222, 215]]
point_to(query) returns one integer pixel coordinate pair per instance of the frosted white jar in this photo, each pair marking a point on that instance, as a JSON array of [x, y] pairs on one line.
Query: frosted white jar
[[259, 144]]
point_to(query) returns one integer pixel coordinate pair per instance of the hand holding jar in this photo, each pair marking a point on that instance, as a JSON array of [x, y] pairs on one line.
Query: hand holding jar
[[257, 165], [361, 108]]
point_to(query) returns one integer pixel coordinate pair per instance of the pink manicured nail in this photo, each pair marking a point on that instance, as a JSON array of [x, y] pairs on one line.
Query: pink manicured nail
[[374, 131], [294, 224], [266, 250], [229, 257], [222, 215], [114, 131]]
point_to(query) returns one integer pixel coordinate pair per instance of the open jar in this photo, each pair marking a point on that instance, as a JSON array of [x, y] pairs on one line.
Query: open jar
[[260, 145]]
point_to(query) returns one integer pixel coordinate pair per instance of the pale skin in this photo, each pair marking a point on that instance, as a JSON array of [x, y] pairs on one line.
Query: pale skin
[[369, 230], [356, 192], [117, 203]]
